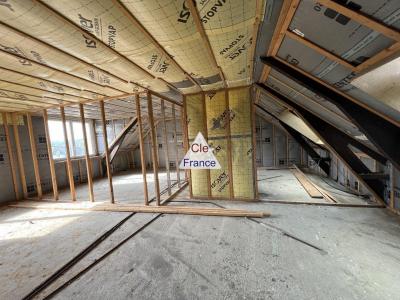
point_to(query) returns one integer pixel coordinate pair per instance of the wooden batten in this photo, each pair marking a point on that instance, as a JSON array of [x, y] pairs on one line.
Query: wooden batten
[[11, 156], [154, 145], [88, 161], [142, 153], [70, 171], [50, 155], [34, 157], [206, 137], [229, 146], [166, 148], [106, 150]]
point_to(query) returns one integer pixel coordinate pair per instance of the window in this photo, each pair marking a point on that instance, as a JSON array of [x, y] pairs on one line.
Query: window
[[75, 138]]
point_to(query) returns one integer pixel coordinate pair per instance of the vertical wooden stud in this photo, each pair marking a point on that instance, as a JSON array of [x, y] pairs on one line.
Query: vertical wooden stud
[[206, 137], [20, 159], [87, 155], [10, 156], [142, 150], [166, 147], [254, 152], [185, 134], [178, 175], [154, 146], [229, 144], [34, 156], [106, 150], [273, 145], [50, 154], [70, 171]]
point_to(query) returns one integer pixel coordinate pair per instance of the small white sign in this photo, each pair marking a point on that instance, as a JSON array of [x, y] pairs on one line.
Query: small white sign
[[199, 156]]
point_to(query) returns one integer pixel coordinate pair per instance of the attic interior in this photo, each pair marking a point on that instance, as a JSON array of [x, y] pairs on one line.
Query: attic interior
[[103, 102]]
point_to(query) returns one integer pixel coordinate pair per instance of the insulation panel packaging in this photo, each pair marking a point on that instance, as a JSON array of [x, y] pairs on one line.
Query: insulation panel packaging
[[226, 116]]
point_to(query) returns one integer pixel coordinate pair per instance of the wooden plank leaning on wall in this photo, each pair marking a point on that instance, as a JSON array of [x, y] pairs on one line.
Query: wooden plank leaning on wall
[[154, 145], [106, 150], [70, 171], [50, 155], [32, 141], [142, 154], [88, 161], [10, 156], [19, 157]]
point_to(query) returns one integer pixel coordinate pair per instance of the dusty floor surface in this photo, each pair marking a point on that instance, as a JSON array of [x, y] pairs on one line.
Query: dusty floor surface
[[301, 252]]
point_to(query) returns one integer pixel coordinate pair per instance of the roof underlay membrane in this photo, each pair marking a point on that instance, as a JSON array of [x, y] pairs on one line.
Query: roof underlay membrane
[[69, 51]]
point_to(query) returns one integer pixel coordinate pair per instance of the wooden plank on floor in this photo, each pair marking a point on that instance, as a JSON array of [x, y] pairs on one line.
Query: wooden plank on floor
[[307, 185], [171, 209]]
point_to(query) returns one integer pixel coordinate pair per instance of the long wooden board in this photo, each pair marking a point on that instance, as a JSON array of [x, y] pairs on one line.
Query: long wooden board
[[307, 185]]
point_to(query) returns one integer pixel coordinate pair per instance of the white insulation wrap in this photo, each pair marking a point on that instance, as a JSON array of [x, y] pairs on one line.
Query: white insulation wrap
[[229, 26], [45, 24]]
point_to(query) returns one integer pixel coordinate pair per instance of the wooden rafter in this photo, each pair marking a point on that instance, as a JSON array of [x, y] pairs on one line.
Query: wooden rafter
[[200, 29]]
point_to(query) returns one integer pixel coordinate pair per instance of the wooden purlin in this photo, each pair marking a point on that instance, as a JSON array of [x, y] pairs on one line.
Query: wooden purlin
[[50, 155]]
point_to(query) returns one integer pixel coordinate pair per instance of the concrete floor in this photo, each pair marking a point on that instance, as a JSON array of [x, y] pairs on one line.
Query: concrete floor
[[301, 252]]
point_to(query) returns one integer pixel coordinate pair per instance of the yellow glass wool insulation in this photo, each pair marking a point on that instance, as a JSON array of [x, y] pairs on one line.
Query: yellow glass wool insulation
[[217, 121], [35, 19], [242, 144], [229, 26], [172, 25], [196, 123]]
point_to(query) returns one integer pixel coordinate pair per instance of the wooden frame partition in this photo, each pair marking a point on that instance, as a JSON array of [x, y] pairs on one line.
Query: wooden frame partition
[[34, 156], [106, 150], [70, 171], [87, 157], [142, 154], [154, 152], [50, 155], [10, 156]]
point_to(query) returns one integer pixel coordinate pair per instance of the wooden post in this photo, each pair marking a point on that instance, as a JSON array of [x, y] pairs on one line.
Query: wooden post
[[154, 147], [178, 175], [229, 144], [87, 157], [10, 156], [142, 153], [166, 148], [19, 157], [50, 154], [106, 150], [34, 156], [70, 171]]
